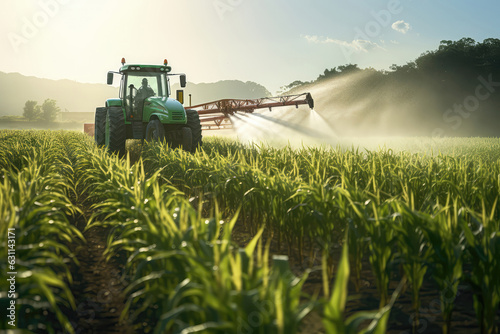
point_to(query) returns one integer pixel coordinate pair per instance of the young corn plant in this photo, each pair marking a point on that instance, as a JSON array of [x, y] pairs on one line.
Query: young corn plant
[[181, 267], [34, 204], [414, 252], [334, 308], [378, 224], [445, 237], [483, 245]]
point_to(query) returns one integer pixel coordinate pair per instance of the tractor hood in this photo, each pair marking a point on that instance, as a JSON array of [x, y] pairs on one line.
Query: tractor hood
[[168, 110], [163, 103]]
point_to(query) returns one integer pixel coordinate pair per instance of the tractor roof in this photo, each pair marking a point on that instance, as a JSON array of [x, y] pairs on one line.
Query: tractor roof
[[144, 68]]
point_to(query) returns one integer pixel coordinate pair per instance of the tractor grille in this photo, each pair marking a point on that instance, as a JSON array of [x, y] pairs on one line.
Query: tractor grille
[[177, 115]]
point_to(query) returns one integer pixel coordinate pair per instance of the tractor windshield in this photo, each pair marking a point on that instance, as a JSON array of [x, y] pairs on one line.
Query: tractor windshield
[[148, 84], [138, 86]]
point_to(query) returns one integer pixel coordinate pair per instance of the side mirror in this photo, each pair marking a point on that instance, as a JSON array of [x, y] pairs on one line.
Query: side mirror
[[183, 80], [110, 78], [180, 96]]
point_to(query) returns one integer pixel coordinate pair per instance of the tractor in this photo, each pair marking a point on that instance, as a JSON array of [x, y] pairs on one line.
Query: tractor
[[145, 110]]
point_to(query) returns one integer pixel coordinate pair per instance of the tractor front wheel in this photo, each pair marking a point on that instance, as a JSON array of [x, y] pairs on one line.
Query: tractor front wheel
[[100, 126], [193, 122], [115, 131], [155, 131]]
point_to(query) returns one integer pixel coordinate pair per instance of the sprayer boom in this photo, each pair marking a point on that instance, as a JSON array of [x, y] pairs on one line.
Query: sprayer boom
[[219, 111]]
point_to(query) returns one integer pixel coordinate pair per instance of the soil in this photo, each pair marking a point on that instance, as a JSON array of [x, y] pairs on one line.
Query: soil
[[98, 288]]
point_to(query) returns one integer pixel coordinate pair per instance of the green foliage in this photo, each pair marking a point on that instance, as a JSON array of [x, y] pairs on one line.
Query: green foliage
[[172, 215], [50, 110], [31, 110], [426, 93], [444, 236], [34, 202], [333, 319], [483, 245], [414, 251], [391, 203], [342, 69]]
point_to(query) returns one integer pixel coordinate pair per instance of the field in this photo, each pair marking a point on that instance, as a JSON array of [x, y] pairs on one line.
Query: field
[[250, 238]]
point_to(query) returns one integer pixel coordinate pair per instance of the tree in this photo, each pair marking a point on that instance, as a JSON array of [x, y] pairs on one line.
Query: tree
[[349, 68], [295, 84], [50, 110], [342, 69], [410, 67], [328, 74], [31, 110]]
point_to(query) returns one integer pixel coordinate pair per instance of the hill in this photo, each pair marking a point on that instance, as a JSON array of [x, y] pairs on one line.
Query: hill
[[74, 96], [70, 95], [226, 89]]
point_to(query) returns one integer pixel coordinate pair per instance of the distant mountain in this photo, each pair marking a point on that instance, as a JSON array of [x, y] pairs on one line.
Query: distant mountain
[[74, 96], [226, 89], [70, 95]]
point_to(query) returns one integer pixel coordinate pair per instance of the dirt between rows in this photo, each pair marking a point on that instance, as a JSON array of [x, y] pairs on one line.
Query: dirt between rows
[[98, 289]]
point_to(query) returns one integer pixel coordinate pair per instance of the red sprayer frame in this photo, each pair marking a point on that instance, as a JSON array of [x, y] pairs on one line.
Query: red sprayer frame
[[219, 111]]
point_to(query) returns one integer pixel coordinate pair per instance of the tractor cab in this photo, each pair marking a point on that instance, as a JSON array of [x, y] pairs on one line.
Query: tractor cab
[[145, 110], [145, 88], [138, 88]]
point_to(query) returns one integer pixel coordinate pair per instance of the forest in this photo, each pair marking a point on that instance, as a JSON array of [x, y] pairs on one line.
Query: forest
[[450, 91]]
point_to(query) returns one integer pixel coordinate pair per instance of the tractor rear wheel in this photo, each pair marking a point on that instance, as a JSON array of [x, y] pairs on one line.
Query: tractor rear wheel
[[115, 131], [100, 126], [155, 131], [187, 139], [193, 122]]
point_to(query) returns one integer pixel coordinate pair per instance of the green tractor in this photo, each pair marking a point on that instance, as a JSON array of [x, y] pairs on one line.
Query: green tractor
[[144, 110]]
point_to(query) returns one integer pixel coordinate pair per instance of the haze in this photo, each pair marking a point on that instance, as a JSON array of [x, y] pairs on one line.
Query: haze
[[269, 42]]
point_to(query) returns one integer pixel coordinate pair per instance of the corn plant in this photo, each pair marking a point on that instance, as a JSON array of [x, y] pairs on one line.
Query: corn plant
[[414, 252], [442, 231], [334, 307], [179, 262], [483, 245], [34, 202]]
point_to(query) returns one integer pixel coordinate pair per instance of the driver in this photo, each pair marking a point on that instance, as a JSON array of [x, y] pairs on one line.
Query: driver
[[143, 93]]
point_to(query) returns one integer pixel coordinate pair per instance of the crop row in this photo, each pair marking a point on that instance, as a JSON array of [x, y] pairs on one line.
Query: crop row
[[184, 273], [35, 207], [432, 214]]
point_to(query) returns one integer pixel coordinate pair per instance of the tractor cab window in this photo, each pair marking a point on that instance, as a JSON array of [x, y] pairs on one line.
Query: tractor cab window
[[143, 85], [140, 86]]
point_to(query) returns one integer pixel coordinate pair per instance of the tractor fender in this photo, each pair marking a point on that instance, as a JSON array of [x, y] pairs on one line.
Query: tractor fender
[[113, 103], [163, 117]]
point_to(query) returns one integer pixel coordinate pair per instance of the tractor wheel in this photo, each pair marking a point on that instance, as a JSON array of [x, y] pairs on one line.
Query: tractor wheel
[[100, 126], [115, 131], [187, 139], [193, 122], [155, 131]]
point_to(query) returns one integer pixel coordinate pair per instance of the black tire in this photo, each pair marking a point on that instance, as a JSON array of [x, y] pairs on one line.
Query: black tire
[[100, 126], [117, 133], [193, 122], [187, 139], [155, 131]]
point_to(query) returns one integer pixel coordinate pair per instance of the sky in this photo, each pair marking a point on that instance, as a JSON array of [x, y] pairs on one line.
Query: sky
[[271, 42]]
